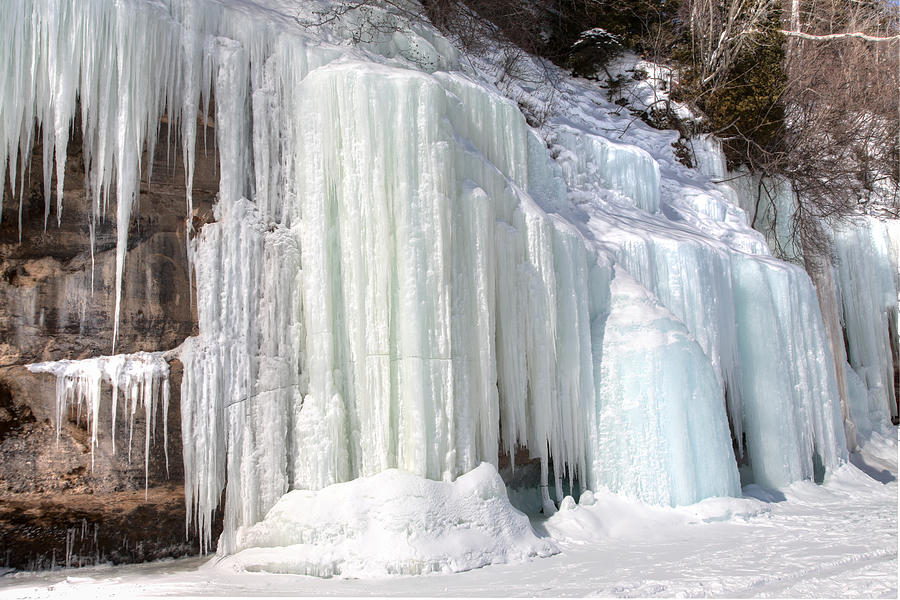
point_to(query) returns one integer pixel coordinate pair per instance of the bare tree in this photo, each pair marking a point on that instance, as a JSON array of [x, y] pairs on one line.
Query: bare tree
[[719, 33], [831, 128], [843, 67]]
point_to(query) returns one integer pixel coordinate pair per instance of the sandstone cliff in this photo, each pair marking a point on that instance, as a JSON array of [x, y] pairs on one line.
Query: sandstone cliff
[[56, 507]]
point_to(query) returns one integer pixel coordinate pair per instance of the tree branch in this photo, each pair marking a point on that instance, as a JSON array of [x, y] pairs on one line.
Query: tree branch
[[837, 36]]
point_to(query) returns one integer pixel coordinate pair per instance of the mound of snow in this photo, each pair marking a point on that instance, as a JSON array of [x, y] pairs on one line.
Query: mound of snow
[[604, 515], [390, 523]]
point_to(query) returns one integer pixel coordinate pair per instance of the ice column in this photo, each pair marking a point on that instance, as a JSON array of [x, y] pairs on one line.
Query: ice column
[[790, 397], [663, 434], [866, 271]]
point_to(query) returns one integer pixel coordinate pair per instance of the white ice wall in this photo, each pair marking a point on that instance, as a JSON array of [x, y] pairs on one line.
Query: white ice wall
[[411, 240], [394, 277], [867, 272]]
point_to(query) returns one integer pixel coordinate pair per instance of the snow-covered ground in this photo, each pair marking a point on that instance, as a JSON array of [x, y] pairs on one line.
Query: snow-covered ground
[[834, 540]]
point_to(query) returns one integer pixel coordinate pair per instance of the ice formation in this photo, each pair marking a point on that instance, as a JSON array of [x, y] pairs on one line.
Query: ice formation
[[599, 163], [678, 447], [389, 523], [142, 378], [861, 288], [868, 280], [401, 275], [386, 349]]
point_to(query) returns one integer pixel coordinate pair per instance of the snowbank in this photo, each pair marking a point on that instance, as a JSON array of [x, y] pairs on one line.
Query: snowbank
[[391, 523], [604, 515]]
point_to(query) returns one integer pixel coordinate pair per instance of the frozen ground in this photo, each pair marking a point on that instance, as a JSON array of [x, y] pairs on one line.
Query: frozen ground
[[835, 540]]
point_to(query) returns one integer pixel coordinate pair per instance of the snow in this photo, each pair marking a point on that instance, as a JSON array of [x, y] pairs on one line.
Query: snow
[[390, 523], [833, 540], [402, 274], [646, 86]]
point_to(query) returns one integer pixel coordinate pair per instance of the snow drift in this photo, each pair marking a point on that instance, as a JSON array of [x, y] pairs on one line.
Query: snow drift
[[390, 523]]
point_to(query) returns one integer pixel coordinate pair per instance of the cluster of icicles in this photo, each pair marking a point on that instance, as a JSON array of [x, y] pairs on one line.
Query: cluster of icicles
[[388, 282], [143, 380]]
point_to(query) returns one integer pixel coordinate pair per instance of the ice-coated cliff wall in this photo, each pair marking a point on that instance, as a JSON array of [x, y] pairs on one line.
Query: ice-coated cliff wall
[[399, 275]]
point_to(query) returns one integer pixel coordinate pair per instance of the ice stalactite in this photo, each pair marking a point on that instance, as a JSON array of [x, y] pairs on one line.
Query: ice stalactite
[[143, 380], [118, 67], [747, 312], [692, 278], [94, 61]]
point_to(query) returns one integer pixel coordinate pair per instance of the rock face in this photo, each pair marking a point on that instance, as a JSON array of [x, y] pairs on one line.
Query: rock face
[[54, 502]]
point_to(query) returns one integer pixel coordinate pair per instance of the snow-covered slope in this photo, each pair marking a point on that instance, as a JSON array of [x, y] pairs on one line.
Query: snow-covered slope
[[403, 274]]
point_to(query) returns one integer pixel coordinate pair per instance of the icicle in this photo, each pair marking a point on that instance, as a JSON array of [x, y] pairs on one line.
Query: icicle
[[868, 281], [78, 384]]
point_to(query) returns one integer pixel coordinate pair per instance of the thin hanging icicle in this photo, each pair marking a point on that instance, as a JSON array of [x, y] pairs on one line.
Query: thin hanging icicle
[[115, 61], [142, 377]]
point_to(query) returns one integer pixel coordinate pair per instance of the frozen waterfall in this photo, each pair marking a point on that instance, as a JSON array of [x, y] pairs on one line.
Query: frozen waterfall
[[868, 254], [396, 276]]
